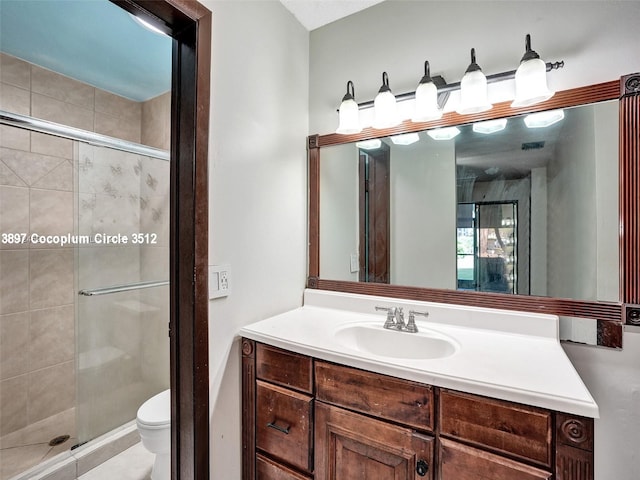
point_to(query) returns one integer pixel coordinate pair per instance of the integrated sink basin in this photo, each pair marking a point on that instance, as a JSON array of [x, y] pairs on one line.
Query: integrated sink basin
[[376, 340]]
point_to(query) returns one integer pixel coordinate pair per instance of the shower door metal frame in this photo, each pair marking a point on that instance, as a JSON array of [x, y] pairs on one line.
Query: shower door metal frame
[[189, 23]]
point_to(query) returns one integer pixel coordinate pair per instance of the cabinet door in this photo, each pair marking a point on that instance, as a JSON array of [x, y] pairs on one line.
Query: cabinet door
[[350, 446], [462, 462]]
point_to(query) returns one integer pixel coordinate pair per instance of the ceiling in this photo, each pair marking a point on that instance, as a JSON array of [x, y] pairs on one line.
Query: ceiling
[[95, 42], [316, 13]]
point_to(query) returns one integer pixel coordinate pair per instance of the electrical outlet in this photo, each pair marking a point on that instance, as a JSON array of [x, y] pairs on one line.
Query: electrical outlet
[[219, 281], [223, 280]]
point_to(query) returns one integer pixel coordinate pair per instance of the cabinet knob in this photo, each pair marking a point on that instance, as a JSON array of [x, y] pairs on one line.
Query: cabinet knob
[[422, 468]]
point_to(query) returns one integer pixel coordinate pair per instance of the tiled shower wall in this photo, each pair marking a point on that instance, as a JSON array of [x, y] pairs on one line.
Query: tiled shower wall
[[37, 326]]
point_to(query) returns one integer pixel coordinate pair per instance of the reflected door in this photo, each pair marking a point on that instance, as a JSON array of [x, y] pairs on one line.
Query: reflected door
[[375, 230], [487, 244]]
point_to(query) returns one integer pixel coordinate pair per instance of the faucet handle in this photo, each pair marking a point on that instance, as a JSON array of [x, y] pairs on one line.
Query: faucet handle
[[411, 324], [391, 315]]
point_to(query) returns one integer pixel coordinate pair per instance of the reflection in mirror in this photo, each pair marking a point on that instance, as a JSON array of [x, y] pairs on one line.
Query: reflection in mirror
[[503, 206]]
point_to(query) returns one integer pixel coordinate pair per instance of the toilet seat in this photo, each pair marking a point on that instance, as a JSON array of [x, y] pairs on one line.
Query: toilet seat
[[155, 412]]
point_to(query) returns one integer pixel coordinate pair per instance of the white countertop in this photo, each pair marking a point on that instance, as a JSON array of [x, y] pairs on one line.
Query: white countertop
[[513, 356]]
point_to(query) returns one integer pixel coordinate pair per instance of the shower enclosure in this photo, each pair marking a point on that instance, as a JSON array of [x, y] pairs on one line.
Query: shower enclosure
[[84, 269]]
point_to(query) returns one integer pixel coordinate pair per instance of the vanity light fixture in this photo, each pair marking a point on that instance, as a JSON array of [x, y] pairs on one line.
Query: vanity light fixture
[[426, 107], [531, 79], [446, 133], [372, 144], [385, 110], [405, 138], [490, 126], [349, 113], [473, 89], [531, 88], [543, 119]]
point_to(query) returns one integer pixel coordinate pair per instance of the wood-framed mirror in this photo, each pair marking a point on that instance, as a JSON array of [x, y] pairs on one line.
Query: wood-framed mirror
[[610, 312]]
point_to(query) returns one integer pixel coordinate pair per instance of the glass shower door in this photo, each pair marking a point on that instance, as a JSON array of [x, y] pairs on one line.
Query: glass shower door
[[122, 282]]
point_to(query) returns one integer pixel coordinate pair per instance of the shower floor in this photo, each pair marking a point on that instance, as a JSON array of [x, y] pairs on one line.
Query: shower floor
[[26, 448]]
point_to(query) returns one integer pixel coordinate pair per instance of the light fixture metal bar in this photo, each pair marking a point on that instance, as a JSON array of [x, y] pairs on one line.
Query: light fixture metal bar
[[447, 88]]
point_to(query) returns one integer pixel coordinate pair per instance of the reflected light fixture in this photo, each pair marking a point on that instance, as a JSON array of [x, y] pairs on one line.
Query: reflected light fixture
[[426, 106], [531, 79], [446, 133], [372, 144], [405, 139], [543, 119], [473, 89], [490, 126], [349, 113], [385, 111]]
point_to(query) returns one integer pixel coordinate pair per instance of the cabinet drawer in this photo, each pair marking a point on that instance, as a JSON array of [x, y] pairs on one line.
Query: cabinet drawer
[[518, 430], [462, 462], [284, 368], [285, 424], [378, 395], [267, 469]]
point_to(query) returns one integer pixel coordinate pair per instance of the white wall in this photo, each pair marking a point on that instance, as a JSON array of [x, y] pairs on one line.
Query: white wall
[[258, 191], [606, 147], [596, 39], [598, 42], [423, 239], [571, 264], [538, 269], [339, 229]]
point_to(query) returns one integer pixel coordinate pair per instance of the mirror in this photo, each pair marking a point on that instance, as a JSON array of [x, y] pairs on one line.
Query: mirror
[[502, 206], [607, 303]]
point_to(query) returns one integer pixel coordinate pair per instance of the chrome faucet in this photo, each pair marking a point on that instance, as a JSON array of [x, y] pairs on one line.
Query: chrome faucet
[[391, 316], [411, 324], [400, 325], [395, 319]]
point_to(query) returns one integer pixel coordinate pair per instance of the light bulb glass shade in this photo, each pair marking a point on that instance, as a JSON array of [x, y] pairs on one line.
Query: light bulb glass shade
[[385, 110], [446, 133], [531, 83], [426, 106], [490, 126], [405, 139], [473, 93], [543, 119], [372, 144], [349, 115]]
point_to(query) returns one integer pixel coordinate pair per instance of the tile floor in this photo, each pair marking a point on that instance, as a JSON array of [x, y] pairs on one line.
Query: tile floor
[[133, 464], [25, 448], [28, 447]]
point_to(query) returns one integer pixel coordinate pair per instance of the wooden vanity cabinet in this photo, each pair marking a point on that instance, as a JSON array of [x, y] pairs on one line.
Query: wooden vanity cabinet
[[307, 419]]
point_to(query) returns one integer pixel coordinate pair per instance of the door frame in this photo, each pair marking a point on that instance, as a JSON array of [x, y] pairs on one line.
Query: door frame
[[189, 23]]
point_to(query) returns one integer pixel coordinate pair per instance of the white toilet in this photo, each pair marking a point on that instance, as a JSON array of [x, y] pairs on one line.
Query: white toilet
[[154, 425]]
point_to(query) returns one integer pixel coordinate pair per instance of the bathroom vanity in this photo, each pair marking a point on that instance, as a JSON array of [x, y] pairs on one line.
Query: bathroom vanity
[[328, 393]]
